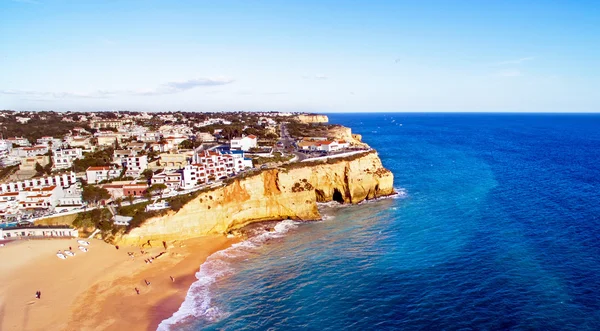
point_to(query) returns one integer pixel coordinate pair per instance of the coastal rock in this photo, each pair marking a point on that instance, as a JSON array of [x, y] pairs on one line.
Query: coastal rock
[[312, 118], [276, 194]]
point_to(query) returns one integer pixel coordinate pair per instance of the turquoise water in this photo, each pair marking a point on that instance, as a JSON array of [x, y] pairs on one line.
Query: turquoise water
[[496, 228]]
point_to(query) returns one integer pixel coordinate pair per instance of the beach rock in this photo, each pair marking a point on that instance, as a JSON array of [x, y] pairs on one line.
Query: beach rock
[[274, 194]]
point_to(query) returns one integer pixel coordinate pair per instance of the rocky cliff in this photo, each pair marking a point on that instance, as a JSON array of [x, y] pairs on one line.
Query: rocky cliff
[[275, 194], [312, 118]]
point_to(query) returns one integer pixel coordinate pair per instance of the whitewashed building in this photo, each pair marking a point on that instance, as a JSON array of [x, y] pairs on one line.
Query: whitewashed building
[[63, 158], [244, 143], [63, 180], [29, 151], [21, 141], [172, 180], [98, 174], [135, 165]]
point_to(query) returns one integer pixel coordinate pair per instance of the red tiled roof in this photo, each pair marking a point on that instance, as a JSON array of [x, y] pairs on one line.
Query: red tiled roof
[[98, 168]]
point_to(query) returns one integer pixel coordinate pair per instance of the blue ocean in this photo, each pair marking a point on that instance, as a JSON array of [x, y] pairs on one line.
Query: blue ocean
[[496, 227]]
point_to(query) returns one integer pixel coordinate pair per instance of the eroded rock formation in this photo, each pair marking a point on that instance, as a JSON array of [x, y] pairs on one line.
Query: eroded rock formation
[[274, 194]]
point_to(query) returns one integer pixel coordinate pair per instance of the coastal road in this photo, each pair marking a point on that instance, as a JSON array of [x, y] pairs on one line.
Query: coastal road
[[288, 142]]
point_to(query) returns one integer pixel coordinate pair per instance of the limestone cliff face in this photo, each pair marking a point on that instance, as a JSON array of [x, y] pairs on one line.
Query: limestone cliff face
[[312, 118], [273, 194]]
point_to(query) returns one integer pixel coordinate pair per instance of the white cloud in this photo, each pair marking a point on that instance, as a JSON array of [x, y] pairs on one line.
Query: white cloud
[[167, 88]]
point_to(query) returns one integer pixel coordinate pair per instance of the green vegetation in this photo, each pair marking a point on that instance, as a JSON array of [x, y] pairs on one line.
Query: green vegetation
[[43, 123], [45, 170], [157, 188], [297, 129], [98, 158], [140, 215], [278, 157], [148, 173], [5, 172], [334, 160], [93, 194], [95, 219]]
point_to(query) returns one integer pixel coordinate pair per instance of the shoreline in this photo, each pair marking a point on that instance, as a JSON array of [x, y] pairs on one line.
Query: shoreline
[[95, 290]]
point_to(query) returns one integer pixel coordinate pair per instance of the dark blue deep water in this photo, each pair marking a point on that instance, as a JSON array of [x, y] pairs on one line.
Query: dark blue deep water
[[498, 229]]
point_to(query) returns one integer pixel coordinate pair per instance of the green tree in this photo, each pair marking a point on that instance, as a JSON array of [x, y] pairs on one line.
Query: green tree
[[147, 174], [148, 195], [39, 169], [186, 144], [130, 198], [93, 194], [158, 188]]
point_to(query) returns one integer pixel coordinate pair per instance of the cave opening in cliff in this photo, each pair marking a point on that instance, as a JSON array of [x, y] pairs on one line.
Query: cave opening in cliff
[[337, 196]]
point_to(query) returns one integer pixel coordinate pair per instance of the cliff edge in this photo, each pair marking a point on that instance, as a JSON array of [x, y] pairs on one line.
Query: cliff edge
[[275, 194], [310, 118]]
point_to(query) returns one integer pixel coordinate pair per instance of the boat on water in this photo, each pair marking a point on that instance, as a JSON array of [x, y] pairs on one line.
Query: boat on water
[[69, 253], [61, 255], [83, 242], [83, 249]]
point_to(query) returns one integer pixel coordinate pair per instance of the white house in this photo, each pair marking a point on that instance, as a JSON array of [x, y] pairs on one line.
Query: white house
[[63, 158], [40, 198], [5, 147], [135, 165], [119, 155], [50, 142], [205, 137], [29, 151], [122, 220], [19, 141], [244, 143], [97, 174], [172, 180], [72, 197]]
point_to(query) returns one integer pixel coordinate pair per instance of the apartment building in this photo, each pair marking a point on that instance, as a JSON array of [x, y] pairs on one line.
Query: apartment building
[[98, 174]]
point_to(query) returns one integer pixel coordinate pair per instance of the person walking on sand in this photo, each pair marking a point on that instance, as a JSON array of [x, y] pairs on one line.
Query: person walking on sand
[[172, 279], [147, 282], [136, 290], [38, 295]]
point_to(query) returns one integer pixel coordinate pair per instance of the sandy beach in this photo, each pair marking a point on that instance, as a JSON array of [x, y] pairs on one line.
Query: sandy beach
[[96, 290]]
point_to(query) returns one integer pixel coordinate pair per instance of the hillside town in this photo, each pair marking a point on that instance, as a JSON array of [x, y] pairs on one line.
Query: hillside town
[[63, 163]]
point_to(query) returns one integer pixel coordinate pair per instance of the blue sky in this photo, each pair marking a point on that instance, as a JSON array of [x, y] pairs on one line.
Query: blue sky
[[324, 56]]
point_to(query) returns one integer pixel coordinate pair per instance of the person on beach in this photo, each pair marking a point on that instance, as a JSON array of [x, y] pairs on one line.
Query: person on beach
[[137, 291], [172, 279], [38, 294], [69, 247], [147, 282]]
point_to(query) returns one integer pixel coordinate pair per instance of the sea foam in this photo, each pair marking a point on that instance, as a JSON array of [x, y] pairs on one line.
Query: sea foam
[[198, 301]]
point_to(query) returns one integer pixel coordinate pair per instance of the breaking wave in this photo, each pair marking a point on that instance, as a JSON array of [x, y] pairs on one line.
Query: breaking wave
[[198, 301]]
